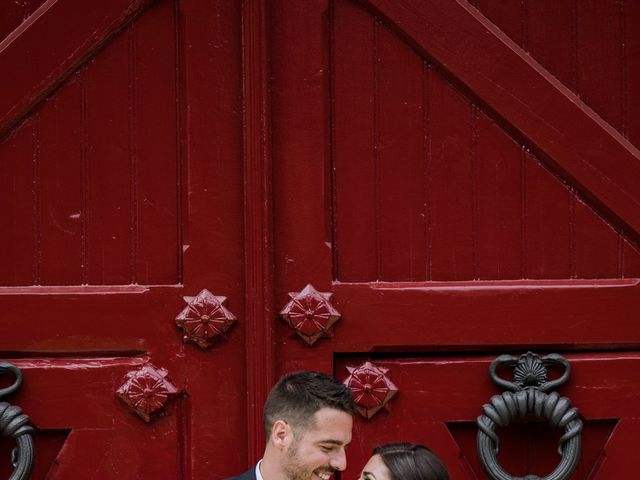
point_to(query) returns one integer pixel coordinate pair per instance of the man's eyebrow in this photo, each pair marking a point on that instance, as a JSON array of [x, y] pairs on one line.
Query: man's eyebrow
[[334, 442]]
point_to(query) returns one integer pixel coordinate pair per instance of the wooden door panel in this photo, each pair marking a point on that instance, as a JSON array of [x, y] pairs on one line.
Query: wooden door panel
[[448, 190], [587, 47], [446, 193], [54, 50], [442, 398], [537, 105], [72, 403], [100, 169], [121, 175], [452, 196], [560, 236]]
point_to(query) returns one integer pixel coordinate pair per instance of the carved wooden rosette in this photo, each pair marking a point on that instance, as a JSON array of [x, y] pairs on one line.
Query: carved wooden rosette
[[147, 391], [205, 319], [310, 314], [371, 388]]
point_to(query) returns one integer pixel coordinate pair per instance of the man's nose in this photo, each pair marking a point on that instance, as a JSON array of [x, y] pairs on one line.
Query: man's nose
[[339, 461]]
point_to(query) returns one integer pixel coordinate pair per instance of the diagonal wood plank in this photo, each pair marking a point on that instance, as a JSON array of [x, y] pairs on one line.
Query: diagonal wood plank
[[587, 151], [47, 47]]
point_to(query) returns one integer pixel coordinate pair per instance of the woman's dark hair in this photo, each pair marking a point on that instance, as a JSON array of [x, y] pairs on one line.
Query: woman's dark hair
[[408, 461], [298, 396]]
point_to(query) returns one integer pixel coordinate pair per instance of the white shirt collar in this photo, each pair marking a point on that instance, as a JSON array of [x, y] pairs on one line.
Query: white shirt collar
[[258, 474]]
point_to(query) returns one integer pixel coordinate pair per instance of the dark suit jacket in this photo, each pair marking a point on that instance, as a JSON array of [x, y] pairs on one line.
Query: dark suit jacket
[[248, 475]]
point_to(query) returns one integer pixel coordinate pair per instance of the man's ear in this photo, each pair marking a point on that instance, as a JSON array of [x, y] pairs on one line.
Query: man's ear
[[281, 434]]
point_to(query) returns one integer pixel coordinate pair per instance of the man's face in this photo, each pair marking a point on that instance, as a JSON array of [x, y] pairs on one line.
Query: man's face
[[320, 450]]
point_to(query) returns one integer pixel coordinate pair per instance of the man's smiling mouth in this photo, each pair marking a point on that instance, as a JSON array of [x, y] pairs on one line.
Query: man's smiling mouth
[[324, 475]]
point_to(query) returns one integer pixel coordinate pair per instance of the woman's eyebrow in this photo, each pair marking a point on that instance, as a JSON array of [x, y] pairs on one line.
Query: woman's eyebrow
[[368, 476]]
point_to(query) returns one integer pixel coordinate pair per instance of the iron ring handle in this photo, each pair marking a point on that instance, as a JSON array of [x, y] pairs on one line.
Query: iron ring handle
[[10, 367], [503, 408], [15, 424]]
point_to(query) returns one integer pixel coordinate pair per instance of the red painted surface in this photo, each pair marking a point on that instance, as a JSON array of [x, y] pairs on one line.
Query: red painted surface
[[122, 190], [460, 179], [460, 202], [443, 414]]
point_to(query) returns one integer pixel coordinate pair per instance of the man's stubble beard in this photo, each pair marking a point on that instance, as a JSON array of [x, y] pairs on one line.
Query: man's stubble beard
[[293, 468]]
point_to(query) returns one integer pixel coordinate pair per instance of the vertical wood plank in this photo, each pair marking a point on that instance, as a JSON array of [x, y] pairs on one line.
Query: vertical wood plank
[[302, 177], [36, 200], [427, 74], [499, 203], [507, 16], [155, 125], [401, 160], [548, 223], [631, 82], [300, 131], [550, 37], [600, 58], [61, 192], [596, 245], [209, 38], [630, 261], [134, 157], [353, 148], [109, 176], [451, 182], [258, 217], [17, 243]]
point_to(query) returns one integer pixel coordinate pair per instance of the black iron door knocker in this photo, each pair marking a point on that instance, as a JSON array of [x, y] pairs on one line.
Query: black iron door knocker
[[526, 397], [15, 424]]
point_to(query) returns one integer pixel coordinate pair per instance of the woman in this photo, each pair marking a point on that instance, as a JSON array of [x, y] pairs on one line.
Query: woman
[[404, 461]]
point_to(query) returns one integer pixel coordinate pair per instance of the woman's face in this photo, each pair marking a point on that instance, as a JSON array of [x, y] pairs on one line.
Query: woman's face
[[375, 469]]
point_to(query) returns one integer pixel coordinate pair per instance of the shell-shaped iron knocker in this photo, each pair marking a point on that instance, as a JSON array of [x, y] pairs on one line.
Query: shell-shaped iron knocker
[[15, 424], [527, 396]]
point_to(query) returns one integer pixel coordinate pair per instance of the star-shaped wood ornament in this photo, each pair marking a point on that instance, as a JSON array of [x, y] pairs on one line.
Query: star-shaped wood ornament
[[310, 314], [147, 391], [205, 319], [371, 388]]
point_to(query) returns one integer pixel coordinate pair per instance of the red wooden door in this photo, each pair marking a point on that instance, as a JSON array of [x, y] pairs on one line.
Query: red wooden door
[[463, 179], [121, 193]]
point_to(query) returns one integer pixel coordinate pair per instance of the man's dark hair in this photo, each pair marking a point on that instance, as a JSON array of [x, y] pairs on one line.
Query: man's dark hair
[[298, 396], [406, 461]]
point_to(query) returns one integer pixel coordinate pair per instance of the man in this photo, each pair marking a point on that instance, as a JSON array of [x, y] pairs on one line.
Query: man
[[307, 419]]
